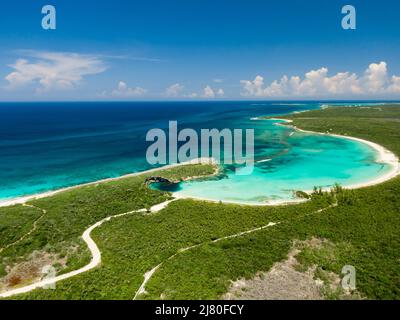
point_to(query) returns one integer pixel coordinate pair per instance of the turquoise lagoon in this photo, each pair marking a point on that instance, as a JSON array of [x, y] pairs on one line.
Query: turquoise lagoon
[[48, 146], [299, 161]]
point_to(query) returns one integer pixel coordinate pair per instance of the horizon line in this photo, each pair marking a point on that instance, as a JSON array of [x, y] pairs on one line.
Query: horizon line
[[204, 100]]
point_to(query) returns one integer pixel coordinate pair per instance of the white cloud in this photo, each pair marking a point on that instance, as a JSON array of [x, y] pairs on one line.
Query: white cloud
[[394, 86], [218, 80], [220, 92], [376, 77], [123, 91], [174, 90], [209, 92], [53, 70], [316, 83], [253, 88]]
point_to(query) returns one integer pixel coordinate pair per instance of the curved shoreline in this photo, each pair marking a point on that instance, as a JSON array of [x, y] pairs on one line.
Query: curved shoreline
[[385, 156], [178, 196], [24, 199]]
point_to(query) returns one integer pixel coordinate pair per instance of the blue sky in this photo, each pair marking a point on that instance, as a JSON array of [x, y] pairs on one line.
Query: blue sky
[[180, 49]]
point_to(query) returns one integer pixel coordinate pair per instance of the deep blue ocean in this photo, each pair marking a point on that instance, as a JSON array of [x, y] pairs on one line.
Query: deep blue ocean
[[47, 146]]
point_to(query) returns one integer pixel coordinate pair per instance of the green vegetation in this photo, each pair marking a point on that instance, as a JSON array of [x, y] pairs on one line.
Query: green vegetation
[[337, 195], [326, 256], [70, 213], [15, 222], [377, 124], [302, 194], [134, 244], [364, 226], [361, 226]]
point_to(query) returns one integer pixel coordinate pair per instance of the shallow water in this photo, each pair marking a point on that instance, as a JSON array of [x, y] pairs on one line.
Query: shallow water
[[47, 146], [299, 161]]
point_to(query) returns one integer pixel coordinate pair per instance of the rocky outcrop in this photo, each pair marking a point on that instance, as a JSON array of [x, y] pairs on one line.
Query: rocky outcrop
[[157, 179]]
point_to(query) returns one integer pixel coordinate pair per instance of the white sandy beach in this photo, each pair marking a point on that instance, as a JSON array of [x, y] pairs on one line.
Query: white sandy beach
[[24, 199], [384, 156], [178, 195]]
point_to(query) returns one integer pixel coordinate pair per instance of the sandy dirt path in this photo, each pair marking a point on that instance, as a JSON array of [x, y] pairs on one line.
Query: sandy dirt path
[[34, 226], [147, 276], [94, 250]]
